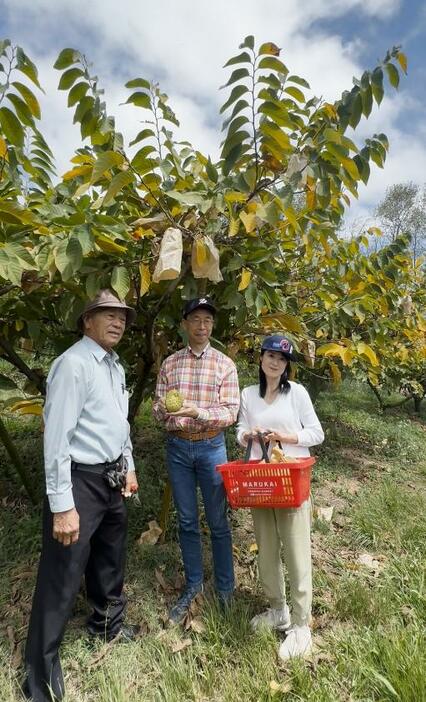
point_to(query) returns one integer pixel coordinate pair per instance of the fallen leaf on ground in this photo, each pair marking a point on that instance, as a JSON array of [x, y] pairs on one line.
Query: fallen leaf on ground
[[162, 581], [279, 688], [16, 657], [367, 560], [324, 514], [152, 535], [197, 625], [181, 645]]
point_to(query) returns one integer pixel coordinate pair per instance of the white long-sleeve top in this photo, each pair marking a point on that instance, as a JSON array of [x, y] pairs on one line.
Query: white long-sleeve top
[[85, 416], [291, 413]]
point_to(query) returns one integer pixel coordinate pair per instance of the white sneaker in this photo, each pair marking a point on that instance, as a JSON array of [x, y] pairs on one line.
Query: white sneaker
[[298, 642], [272, 619]]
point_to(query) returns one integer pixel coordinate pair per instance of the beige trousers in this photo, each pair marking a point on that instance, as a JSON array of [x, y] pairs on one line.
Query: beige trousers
[[290, 529]]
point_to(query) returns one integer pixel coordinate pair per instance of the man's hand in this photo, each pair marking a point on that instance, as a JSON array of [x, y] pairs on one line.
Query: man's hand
[[188, 409], [131, 484], [66, 527]]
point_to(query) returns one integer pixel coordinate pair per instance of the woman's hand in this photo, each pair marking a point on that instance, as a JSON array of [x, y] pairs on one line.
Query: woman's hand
[[280, 436], [252, 434]]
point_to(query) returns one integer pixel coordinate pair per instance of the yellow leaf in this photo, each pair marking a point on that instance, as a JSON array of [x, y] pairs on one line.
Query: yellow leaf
[[335, 373], [19, 325], [234, 226], [78, 171], [3, 147], [375, 230], [284, 321], [351, 167], [253, 548], [245, 279], [27, 407], [145, 275], [200, 251], [310, 200], [333, 349], [402, 60], [108, 245], [366, 350], [291, 216], [249, 220], [235, 196]]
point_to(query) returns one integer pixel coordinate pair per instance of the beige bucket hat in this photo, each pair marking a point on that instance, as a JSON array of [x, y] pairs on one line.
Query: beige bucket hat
[[107, 299]]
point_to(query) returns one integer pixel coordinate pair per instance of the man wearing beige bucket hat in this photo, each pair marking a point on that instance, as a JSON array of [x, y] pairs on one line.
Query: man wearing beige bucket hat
[[89, 470]]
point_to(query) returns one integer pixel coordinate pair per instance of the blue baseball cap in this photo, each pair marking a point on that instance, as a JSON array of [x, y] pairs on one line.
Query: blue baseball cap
[[204, 303], [277, 342]]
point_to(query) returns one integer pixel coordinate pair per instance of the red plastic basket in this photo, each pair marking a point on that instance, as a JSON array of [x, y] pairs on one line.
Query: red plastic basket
[[256, 484]]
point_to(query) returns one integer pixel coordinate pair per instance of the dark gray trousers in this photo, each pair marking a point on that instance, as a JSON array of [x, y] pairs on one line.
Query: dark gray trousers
[[100, 555]]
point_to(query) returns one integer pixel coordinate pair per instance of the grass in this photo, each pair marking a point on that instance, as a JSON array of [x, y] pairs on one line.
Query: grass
[[368, 621]]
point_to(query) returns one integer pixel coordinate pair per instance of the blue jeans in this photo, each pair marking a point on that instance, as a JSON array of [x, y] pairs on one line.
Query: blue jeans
[[192, 463]]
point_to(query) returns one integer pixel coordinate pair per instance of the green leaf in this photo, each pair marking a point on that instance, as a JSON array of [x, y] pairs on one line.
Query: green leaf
[[377, 84], [295, 93], [138, 83], [236, 75], [211, 171], [21, 109], [244, 57], [29, 98], [69, 77], [77, 92], [393, 74], [248, 42], [144, 134], [300, 81], [236, 124], [7, 383], [355, 110], [27, 67], [234, 156], [367, 100], [105, 161], [187, 198], [83, 106], [274, 64], [89, 124], [11, 127], [350, 166], [140, 100], [119, 181], [240, 105], [74, 253], [66, 58], [120, 281], [231, 141], [235, 94], [277, 112]]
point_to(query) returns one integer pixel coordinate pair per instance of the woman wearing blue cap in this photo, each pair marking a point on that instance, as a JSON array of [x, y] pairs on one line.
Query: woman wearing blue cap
[[282, 411]]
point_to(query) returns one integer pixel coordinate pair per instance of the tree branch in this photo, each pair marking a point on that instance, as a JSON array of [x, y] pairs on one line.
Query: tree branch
[[12, 357]]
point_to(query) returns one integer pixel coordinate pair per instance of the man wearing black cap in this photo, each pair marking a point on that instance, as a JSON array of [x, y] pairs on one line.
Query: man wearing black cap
[[89, 468], [208, 382]]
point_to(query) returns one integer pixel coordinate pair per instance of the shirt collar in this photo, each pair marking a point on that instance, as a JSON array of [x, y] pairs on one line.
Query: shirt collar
[[198, 355], [98, 352]]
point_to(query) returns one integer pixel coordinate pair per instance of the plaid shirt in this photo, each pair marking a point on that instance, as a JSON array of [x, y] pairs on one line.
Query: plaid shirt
[[209, 380]]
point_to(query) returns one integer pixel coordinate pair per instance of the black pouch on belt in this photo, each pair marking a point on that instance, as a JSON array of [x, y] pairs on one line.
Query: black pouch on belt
[[115, 473]]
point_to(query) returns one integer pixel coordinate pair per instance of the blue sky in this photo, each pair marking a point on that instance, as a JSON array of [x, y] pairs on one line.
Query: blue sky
[[184, 43]]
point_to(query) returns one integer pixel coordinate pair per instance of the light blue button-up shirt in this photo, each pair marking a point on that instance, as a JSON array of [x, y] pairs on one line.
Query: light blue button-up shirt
[[85, 416]]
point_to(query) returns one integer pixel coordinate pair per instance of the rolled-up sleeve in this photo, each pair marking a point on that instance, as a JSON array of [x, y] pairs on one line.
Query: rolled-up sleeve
[[225, 412], [66, 395]]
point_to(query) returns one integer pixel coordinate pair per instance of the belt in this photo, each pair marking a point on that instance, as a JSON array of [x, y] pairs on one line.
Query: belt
[[197, 436], [97, 468]]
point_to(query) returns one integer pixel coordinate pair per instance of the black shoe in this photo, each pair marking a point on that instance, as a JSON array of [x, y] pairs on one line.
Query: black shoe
[[126, 634]]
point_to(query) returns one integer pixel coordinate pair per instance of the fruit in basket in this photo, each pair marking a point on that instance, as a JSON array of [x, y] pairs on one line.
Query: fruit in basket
[[173, 401], [278, 455]]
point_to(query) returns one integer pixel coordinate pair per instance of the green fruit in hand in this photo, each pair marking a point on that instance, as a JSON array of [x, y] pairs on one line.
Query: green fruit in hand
[[173, 401]]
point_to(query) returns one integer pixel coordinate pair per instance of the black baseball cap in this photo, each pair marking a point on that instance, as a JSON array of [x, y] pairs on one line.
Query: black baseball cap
[[278, 342], [204, 303]]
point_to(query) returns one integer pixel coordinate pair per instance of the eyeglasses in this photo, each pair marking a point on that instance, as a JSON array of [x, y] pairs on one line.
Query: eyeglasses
[[198, 321]]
